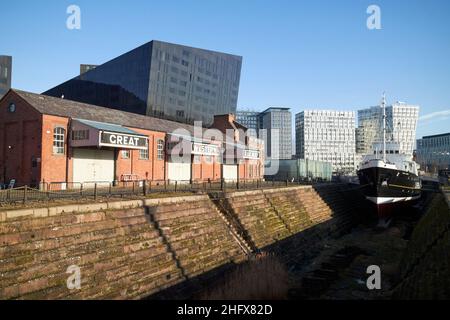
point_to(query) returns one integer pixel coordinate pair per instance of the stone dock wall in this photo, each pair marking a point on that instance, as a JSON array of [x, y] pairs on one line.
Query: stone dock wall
[[133, 249], [425, 267]]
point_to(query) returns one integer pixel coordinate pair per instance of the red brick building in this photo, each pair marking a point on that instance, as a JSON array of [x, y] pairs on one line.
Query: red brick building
[[47, 139]]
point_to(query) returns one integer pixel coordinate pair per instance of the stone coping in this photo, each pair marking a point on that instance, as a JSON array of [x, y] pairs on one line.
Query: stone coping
[[15, 214], [253, 192], [92, 207]]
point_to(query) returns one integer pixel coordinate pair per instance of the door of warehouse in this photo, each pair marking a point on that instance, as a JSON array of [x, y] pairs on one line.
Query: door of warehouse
[[178, 171], [93, 165], [230, 172]]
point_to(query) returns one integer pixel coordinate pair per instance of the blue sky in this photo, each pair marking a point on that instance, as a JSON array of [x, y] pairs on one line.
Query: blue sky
[[300, 54]]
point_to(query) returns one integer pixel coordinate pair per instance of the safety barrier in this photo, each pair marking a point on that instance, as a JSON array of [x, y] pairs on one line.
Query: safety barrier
[[75, 190]]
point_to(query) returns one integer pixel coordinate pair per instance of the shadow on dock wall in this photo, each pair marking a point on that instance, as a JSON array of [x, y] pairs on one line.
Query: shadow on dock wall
[[425, 267], [283, 249], [172, 249]]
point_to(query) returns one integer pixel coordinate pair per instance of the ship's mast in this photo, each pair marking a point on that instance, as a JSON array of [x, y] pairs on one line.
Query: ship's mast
[[383, 107]]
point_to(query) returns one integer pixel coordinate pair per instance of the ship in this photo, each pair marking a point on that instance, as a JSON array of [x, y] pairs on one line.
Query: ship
[[388, 176]]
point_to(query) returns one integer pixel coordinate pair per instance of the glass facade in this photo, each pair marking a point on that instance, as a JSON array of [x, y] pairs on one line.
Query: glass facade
[[86, 67], [274, 126], [328, 136], [249, 119], [277, 126], [299, 169], [433, 152], [5, 74], [401, 123], [164, 80]]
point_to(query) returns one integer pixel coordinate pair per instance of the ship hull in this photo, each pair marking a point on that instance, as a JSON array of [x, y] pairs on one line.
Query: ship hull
[[385, 186]]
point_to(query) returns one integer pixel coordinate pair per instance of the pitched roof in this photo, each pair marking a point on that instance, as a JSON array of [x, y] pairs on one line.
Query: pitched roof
[[73, 109]]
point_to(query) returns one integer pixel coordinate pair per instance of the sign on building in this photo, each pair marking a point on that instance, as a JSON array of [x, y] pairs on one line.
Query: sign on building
[[205, 149], [110, 139], [251, 154]]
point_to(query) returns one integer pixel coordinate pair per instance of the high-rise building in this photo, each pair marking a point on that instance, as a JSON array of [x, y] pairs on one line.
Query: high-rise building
[[5, 74], [86, 67], [327, 135], [401, 123], [163, 80], [368, 131], [276, 123], [249, 119], [433, 152]]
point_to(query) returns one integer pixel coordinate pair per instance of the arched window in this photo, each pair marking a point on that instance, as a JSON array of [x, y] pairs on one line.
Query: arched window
[[59, 134], [160, 149]]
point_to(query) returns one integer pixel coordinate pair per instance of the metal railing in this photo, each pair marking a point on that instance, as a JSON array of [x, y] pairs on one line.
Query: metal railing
[[45, 191]]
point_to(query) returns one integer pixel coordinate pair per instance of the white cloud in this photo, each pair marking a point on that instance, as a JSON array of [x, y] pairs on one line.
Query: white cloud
[[435, 115]]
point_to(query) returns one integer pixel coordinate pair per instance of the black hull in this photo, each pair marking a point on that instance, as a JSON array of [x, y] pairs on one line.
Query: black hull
[[385, 186]]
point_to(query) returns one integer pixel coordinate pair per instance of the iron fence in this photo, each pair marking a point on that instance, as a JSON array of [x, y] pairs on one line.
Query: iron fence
[[73, 190]]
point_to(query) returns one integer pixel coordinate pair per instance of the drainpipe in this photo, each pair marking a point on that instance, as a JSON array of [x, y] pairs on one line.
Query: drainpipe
[[68, 148], [131, 160]]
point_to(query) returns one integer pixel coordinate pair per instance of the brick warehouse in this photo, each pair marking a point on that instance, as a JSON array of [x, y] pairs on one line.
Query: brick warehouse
[[47, 139]]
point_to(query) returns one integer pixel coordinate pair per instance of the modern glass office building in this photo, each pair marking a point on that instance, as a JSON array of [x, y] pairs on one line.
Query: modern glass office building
[[249, 119], [401, 124], [433, 152], [5, 74], [327, 135], [276, 123], [86, 67], [273, 126], [300, 169], [163, 80]]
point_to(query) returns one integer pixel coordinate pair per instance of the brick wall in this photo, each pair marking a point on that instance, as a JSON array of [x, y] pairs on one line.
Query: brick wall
[[151, 169], [125, 249], [19, 141], [133, 249], [54, 167]]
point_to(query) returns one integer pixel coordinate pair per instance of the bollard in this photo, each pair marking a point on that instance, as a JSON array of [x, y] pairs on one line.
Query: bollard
[[176, 184], [95, 191]]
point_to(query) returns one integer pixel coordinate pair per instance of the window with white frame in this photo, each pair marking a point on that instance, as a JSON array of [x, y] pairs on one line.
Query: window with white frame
[[58, 140], [160, 149], [143, 154]]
